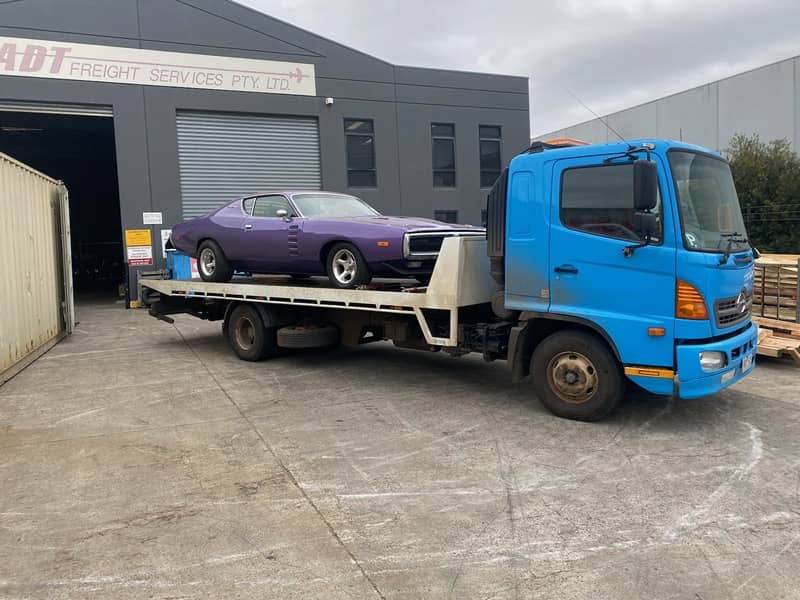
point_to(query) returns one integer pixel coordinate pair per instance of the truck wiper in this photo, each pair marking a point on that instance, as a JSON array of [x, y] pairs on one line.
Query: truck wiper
[[732, 237]]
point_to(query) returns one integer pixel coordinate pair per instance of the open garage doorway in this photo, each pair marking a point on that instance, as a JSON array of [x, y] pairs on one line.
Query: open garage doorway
[[78, 149]]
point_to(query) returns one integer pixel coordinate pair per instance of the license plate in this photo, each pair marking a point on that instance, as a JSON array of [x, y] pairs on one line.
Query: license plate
[[747, 362]]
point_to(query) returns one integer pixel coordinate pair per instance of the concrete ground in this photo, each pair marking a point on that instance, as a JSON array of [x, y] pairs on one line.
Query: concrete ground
[[142, 460]]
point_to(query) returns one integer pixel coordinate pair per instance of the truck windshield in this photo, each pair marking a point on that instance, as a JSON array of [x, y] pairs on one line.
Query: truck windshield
[[709, 207]]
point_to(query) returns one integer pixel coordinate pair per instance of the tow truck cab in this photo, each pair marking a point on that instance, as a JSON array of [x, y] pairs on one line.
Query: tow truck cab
[[641, 243]]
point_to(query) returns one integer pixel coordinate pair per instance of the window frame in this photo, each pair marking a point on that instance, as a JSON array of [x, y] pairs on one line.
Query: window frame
[[454, 211], [434, 170], [292, 209], [499, 141], [660, 212], [348, 169]]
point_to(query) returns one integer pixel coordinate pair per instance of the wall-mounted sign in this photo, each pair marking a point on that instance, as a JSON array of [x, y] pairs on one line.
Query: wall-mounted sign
[[140, 255], [152, 218], [114, 64], [138, 237]]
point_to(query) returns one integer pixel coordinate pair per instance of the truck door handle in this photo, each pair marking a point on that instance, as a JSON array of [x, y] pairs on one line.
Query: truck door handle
[[248, 226], [566, 269]]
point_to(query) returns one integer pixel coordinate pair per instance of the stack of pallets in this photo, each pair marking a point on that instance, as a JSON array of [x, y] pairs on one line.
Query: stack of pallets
[[775, 287], [775, 296], [778, 339]]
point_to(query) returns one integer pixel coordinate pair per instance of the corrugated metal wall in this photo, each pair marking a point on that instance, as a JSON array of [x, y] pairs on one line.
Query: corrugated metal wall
[[223, 156], [35, 278], [764, 101]]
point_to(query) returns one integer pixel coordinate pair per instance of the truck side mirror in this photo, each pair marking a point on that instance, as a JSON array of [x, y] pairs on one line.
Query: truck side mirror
[[645, 224], [645, 185]]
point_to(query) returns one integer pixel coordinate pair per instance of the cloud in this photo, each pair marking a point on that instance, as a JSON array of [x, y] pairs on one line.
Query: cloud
[[610, 53]]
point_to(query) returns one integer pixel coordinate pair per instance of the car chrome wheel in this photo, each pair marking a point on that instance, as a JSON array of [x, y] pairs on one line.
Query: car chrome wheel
[[208, 262], [572, 377], [344, 265]]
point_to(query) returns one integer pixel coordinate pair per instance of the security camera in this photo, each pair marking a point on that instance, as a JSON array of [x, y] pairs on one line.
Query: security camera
[[328, 101]]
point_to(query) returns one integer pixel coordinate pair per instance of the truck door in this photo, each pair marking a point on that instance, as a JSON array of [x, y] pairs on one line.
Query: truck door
[[629, 294]]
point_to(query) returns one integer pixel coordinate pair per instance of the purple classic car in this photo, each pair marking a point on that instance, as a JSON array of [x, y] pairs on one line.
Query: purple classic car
[[305, 233]]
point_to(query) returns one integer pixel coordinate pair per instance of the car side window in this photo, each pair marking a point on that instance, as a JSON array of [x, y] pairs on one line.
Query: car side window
[[599, 200], [247, 205], [268, 206]]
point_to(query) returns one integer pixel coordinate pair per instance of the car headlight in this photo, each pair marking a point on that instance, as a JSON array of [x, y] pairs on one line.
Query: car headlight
[[711, 360]]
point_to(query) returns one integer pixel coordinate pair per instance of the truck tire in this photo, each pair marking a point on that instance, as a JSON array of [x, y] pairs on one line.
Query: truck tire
[[212, 264], [249, 338], [576, 376], [308, 336], [346, 266]]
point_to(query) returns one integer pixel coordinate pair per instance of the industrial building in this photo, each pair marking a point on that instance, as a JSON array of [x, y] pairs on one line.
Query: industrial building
[[764, 101], [152, 111]]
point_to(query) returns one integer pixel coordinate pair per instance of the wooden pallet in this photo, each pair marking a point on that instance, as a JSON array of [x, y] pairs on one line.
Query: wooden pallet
[[778, 339]]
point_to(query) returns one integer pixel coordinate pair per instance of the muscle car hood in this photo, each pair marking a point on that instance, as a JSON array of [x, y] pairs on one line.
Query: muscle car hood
[[412, 223]]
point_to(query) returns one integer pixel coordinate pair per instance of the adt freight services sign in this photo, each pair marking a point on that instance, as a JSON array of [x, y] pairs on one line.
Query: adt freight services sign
[[113, 64]]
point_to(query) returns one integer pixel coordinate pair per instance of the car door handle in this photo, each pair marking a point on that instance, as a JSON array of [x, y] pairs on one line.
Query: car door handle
[[248, 226], [566, 269]]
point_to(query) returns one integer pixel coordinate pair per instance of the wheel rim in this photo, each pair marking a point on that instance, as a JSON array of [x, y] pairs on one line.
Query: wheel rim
[[245, 333], [344, 266], [208, 262], [572, 377]]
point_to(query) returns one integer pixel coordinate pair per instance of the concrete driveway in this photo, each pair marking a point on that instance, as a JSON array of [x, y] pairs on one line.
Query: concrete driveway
[[142, 460]]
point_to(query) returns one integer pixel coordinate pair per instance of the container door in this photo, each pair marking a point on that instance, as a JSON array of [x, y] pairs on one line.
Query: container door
[[595, 272]]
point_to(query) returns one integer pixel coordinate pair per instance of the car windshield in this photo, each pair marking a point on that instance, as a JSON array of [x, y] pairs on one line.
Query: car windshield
[[710, 212], [332, 205]]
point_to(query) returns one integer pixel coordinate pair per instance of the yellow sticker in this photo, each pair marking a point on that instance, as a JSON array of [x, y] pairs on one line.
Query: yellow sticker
[[137, 237]]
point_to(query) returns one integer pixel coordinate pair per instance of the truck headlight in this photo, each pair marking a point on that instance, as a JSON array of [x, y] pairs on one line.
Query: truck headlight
[[711, 360]]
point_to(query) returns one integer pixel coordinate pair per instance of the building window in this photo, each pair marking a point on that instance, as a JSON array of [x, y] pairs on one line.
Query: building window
[[443, 138], [599, 200], [484, 217], [448, 216], [360, 146], [490, 140]]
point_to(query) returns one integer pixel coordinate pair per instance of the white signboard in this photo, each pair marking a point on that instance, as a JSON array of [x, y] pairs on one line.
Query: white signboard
[[140, 255], [114, 64], [152, 218], [165, 233]]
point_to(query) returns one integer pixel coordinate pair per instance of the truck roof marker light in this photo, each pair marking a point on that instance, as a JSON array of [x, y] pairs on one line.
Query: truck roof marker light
[[689, 303], [565, 141]]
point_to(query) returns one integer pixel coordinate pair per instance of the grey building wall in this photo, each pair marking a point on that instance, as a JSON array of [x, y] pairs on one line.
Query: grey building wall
[[402, 101], [764, 101]]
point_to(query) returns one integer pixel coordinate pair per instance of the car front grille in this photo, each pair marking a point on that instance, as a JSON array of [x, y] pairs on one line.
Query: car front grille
[[428, 244], [730, 311]]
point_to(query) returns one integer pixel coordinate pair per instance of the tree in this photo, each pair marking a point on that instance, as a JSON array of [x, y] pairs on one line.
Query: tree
[[767, 178]]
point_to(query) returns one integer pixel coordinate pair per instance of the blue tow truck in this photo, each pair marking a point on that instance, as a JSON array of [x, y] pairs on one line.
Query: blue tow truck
[[602, 264]]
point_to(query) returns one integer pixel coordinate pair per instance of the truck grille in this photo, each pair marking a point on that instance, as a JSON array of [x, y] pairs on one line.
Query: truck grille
[[428, 244], [730, 311]]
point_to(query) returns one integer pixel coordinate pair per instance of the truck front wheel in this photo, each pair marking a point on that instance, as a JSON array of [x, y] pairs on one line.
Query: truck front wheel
[[576, 376]]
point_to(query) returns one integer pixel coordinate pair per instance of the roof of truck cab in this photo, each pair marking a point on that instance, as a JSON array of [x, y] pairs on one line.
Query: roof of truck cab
[[660, 146]]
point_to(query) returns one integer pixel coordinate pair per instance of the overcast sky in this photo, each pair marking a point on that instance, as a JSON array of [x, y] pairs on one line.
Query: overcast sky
[[612, 54]]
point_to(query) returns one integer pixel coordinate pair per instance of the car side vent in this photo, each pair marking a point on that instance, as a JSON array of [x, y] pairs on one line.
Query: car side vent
[[496, 227]]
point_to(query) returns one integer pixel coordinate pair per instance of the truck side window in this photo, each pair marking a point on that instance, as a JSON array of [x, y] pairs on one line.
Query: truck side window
[[599, 200]]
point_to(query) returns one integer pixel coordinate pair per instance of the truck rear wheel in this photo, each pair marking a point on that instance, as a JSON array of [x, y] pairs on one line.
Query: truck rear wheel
[[576, 376], [248, 336]]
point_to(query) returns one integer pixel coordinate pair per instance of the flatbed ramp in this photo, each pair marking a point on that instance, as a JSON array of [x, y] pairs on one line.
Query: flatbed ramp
[[460, 278]]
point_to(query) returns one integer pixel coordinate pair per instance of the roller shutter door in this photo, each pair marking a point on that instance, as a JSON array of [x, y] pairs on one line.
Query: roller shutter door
[[223, 156]]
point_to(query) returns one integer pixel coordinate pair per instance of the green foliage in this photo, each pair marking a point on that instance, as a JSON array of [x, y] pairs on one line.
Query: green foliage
[[767, 177]]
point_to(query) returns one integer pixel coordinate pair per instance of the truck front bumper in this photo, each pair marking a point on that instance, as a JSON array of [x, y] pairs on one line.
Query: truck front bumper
[[691, 381]]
